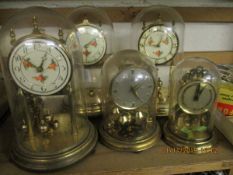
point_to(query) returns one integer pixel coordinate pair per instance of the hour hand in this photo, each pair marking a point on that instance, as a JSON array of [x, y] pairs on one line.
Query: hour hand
[[40, 67], [134, 90], [91, 41]]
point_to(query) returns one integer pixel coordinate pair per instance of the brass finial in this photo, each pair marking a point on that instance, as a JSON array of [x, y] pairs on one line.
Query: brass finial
[[173, 23], [12, 35], [161, 97], [60, 34], [159, 20], [85, 21], [35, 25], [100, 23], [143, 25]]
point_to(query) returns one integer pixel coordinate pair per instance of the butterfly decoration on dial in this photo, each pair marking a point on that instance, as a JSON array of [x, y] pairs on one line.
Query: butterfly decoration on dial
[[40, 66], [132, 88], [92, 41], [159, 43]]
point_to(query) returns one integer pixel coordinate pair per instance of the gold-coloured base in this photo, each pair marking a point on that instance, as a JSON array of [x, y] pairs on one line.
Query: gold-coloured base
[[93, 110], [131, 146], [162, 111], [43, 162], [187, 146]]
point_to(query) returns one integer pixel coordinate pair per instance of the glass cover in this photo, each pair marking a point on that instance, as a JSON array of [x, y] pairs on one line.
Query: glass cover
[[129, 95], [94, 31], [158, 33], [42, 65], [193, 92]]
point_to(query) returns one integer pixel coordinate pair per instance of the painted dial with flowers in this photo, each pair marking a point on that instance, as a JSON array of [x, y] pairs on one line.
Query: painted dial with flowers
[[92, 42], [159, 43], [40, 66]]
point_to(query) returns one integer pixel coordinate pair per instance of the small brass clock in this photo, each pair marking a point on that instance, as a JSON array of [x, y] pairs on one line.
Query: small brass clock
[[194, 90], [129, 97]]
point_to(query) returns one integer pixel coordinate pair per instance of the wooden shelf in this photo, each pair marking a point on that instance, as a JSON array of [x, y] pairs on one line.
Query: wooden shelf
[[156, 161], [126, 14], [115, 3], [126, 10]]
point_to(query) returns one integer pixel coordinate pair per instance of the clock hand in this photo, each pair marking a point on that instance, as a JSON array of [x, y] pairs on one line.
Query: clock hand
[[198, 92], [151, 42], [134, 91], [40, 67], [87, 44]]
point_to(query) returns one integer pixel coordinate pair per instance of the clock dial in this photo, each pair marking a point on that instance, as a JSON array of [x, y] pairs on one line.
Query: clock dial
[[159, 43], [92, 42], [40, 66], [196, 97], [132, 88]]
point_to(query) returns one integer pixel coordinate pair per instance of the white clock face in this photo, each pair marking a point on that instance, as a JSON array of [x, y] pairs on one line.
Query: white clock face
[[132, 88], [92, 42], [159, 43], [40, 66], [196, 97]]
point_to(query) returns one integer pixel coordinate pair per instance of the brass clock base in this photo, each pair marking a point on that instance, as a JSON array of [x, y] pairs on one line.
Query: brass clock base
[[40, 162], [131, 146], [93, 110], [185, 146], [90, 111]]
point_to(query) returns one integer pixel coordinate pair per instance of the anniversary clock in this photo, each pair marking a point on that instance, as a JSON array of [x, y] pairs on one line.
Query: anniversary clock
[[45, 90], [157, 32], [129, 95], [94, 32], [194, 89]]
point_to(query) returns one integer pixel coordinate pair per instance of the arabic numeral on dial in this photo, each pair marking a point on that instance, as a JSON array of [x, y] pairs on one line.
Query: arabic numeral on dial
[[22, 79], [17, 69], [63, 68], [18, 58], [60, 78], [49, 50], [25, 50], [43, 89], [36, 46]]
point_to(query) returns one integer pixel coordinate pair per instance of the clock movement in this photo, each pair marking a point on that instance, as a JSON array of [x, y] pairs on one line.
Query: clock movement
[[43, 78]]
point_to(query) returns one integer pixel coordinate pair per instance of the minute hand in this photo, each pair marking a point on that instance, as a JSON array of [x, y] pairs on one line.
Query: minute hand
[[87, 44], [198, 91]]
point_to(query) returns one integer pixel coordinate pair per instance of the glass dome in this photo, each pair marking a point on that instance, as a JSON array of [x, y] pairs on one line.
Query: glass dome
[[194, 90], [42, 66], [158, 32], [129, 95], [94, 32]]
